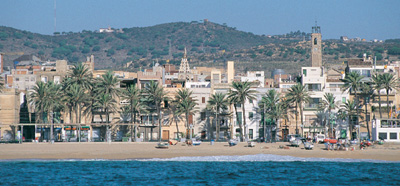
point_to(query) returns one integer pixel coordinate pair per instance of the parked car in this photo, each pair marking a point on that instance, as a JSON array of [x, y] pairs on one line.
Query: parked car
[[292, 137], [320, 138]]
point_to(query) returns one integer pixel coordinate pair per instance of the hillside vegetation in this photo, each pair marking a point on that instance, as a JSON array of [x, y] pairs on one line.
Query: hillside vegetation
[[207, 43]]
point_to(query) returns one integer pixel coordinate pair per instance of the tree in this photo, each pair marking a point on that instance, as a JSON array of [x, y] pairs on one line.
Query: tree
[[75, 97], [81, 76], [352, 83], [185, 104], [366, 92], [155, 94], [389, 83], [46, 98], [242, 91], [351, 109], [377, 86], [136, 105], [108, 84], [218, 102], [270, 104], [233, 101], [330, 104], [299, 95], [107, 104]]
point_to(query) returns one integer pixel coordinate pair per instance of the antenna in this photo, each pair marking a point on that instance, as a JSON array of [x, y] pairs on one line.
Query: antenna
[[55, 16]]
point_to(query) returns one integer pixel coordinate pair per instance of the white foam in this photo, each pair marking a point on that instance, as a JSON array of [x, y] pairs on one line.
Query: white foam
[[262, 158]]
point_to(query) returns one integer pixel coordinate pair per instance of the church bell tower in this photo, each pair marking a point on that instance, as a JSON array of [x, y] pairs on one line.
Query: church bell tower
[[316, 47]]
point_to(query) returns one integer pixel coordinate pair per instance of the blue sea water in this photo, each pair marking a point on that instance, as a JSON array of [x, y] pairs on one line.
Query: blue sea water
[[262, 169]]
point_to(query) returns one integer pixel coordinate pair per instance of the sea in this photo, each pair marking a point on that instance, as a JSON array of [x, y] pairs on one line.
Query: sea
[[261, 169]]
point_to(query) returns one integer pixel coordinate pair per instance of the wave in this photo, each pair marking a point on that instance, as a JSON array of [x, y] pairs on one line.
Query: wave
[[245, 158], [263, 158]]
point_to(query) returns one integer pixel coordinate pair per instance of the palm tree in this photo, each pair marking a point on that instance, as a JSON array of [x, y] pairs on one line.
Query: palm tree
[[108, 84], [242, 91], [299, 95], [175, 117], [389, 82], [233, 100], [352, 82], [218, 102], [351, 108], [107, 104], [366, 92], [136, 104], [155, 94], [79, 75], [75, 97], [377, 86], [46, 98], [185, 104], [272, 106], [330, 104]]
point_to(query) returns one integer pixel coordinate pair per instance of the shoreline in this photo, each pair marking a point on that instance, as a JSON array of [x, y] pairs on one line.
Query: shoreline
[[146, 150]]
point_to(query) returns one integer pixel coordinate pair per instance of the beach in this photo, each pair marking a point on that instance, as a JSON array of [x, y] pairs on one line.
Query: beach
[[147, 150]]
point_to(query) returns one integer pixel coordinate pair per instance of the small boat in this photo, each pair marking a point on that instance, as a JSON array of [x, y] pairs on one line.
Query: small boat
[[162, 145], [195, 142], [251, 144], [333, 141], [232, 142], [308, 145]]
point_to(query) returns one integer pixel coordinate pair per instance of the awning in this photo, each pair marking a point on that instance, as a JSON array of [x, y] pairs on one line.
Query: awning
[[85, 128], [69, 128]]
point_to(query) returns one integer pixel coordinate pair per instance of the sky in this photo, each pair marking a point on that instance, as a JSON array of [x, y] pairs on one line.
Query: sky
[[369, 19]]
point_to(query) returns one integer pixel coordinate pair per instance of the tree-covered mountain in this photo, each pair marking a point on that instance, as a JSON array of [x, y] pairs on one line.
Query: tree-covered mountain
[[206, 42]]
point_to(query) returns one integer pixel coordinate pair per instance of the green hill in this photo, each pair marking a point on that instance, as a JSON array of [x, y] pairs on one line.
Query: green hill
[[206, 42]]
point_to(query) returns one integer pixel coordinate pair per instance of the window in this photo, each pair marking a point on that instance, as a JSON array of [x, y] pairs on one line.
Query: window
[[315, 41], [314, 103], [313, 87], [343, 99], [16, 79], [165, 104], [304, 72], [258, 75], [251, 133], [393, 136], [383, 135], [27, 79], [203, 100], [366, 73], [250, 115], [202, 116]]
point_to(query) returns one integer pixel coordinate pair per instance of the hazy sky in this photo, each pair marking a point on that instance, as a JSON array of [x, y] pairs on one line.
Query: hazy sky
[[370, 19]]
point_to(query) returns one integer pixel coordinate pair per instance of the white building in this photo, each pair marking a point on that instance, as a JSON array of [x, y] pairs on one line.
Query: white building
[[387, 130]]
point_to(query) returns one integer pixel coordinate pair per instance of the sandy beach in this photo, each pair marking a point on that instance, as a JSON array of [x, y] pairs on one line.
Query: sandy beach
[[117, 150]]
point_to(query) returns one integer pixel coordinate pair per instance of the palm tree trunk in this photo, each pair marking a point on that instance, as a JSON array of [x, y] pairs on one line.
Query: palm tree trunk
[[297, 129], [244, 122], [159, 123], [216, 126], [240, 123], [366, 112], [387, 102], [187, 126], [380, 109], [301, 117], [132, 122], [51, 125], [329, 122], [277, 130]]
